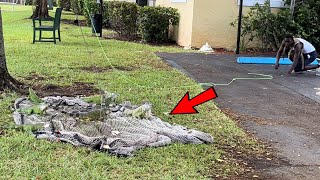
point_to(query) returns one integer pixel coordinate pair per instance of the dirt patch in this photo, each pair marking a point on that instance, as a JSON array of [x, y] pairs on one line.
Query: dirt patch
[[96, 69], [114, 35], [77, 89], [35, 77], [73, 22], [240, 118], [254, 164], [250, 164]]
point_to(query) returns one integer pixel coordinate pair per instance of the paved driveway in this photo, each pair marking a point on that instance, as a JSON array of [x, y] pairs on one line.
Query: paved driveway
[[288, 107]]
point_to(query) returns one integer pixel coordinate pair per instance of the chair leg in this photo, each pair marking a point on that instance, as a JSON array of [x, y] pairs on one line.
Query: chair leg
[[40, 36], [59, 35], [34, 36], [54, 37]]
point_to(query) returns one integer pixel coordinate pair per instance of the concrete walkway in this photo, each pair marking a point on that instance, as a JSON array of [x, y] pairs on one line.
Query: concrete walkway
[[287, 107]]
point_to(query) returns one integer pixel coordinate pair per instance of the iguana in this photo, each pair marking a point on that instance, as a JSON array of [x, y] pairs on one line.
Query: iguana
[[39, 106]]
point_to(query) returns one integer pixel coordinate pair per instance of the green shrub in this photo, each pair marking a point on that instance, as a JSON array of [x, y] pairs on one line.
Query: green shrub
[[77, 6], [154, 22], [270, 28], [129, 20], [90, 7], [29, 2], [65, 4], [267, 27], [55, 4], [106, 16], [123, 18], [307, 16]]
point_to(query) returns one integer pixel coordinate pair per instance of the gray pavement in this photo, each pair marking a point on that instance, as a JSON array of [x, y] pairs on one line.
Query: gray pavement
[[288, 107]]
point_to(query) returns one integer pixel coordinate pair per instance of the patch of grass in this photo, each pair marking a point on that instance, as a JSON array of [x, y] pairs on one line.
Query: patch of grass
[[52, 160], [23, 157], [6, 101]]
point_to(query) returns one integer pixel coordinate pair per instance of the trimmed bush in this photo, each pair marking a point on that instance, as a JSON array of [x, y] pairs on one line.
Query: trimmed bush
[[154, 23], [77, 6], [307, 16], [131, 21], [270, 28], [65, 4], [29, 2], [267, 27], [90, 7], [123, 18]]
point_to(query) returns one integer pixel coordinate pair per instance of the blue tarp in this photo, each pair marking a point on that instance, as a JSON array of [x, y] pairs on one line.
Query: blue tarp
[[266, 60]]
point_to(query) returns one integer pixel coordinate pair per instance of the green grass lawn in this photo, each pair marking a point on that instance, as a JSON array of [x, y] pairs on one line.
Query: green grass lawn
[[149, 79]]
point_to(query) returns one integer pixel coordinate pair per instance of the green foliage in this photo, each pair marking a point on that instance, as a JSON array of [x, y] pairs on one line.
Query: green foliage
[[154, 22], [123, 18], [65, 4], [90, 7], [307, 15], [106, 20], [267, 27], [29, 2], [77, 6], [270, 28], [131, 21]]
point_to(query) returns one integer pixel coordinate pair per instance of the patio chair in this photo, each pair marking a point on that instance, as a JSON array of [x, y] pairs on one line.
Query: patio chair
[[55, 27]]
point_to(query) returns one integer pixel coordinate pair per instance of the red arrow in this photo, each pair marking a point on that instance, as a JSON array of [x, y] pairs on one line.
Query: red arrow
[[186, 105]]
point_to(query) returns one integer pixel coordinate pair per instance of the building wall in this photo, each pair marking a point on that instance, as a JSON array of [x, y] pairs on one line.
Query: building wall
[[206, 21], [183, 32], [211, 23]]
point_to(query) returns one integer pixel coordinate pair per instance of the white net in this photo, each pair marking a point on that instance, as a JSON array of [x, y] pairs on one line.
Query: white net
[[116, 129]]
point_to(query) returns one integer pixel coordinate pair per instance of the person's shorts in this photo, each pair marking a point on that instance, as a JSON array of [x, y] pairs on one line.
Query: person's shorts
[[308, 58]]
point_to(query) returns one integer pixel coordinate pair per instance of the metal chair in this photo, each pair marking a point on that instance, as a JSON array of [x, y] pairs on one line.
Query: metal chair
[[55, 27]]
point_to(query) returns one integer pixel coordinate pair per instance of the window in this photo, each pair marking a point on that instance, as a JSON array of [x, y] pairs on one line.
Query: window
[[151, 2], [273, 3]]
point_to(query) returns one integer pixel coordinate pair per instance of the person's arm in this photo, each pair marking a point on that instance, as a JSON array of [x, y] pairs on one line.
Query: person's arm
[[297, 53], [276, 66]]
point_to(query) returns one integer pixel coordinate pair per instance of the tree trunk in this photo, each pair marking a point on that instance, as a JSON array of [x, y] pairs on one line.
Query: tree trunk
[[41, 9], [6, 81]]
